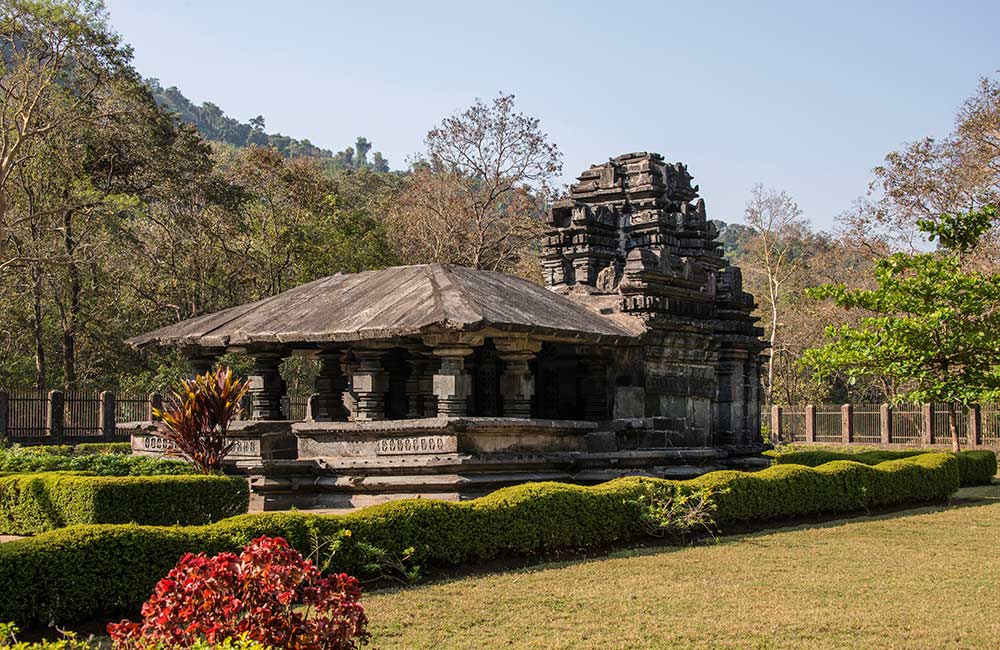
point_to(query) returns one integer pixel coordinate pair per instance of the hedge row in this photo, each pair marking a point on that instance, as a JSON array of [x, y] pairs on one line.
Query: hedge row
[[33, 460], [976, 467], [83, 449], [35, 503], [82, 572]]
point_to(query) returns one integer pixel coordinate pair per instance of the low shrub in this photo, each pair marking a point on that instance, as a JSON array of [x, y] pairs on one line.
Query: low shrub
[[35, 503], [44, 459], [975, 467], [268, 593], [87, 571], [82, 449]]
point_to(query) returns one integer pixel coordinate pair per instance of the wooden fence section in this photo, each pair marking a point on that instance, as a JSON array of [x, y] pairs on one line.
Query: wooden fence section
[[883, 424], [30, 416]]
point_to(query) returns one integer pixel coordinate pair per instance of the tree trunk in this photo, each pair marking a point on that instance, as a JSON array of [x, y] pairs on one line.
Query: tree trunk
[[773, 340], [37, 331], [953, 427], [75, 289]]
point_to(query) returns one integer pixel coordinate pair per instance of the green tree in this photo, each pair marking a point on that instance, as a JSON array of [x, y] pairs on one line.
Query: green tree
[[929, 324]]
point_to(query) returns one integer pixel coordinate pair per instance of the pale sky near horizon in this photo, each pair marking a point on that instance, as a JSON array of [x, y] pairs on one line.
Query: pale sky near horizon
[[803, 97]]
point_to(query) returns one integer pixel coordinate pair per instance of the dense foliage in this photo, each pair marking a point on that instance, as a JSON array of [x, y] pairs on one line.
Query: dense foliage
[[86, 571], [930, 324], [974, 467], [116, 217], [268, 593], [48, 459], [34, 503]]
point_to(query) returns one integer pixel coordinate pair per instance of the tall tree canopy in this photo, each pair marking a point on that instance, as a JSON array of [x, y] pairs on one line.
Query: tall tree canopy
[[477, 195]]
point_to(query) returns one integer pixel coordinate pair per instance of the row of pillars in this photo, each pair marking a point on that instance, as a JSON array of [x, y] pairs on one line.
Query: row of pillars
[[437, 384]]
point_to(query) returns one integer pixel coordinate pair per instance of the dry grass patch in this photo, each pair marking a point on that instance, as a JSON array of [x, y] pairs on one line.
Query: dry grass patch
[[926, 578]]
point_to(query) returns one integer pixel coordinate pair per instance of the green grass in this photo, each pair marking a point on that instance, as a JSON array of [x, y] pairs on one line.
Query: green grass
[[924, 578]]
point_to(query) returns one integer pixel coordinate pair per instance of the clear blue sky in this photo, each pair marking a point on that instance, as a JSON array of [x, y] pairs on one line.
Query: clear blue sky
[[806, 97]]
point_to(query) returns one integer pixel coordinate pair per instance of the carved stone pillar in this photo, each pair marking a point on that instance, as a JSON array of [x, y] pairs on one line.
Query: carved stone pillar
[[419, 384], [517, 384], [330, 386], [593, 384], [425, 383], [350, 401], [370, 382], [267, 388], [452, 383]]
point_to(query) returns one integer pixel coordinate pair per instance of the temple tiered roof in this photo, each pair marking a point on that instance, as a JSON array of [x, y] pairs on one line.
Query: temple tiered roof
[[395, 302]]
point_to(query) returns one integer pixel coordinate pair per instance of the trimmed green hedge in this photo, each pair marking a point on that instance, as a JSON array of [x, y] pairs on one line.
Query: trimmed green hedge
[[83, 449], [975, 467], [43, 459], [81, 572], [35, 503]]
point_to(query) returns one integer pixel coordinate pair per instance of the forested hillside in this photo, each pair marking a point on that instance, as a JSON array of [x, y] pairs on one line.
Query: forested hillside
[[213, 124]]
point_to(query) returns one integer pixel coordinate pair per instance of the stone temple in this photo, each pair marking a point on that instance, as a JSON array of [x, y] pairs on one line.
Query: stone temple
[[638, 356]]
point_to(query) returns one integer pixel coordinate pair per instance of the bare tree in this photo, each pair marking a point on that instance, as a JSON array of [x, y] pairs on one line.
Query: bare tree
[[775, 253], [476, 196]]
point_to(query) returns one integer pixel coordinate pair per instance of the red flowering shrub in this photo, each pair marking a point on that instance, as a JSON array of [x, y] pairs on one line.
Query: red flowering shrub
[[268, 593]]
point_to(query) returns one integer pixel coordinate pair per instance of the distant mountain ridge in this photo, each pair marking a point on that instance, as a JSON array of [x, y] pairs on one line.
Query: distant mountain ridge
[[213, 124]]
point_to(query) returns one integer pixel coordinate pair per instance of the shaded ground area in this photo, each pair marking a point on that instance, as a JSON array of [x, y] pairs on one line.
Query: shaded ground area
[[925, 578]]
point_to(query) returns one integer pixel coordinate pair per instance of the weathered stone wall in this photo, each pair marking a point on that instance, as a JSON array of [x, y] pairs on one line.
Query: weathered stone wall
[[634, 229]]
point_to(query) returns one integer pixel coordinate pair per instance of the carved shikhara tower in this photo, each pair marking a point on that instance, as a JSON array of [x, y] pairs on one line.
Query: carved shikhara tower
[[631, 241]]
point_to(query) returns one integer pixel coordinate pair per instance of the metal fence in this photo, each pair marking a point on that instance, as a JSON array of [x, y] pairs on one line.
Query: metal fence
[[30, 416], [884, 424]]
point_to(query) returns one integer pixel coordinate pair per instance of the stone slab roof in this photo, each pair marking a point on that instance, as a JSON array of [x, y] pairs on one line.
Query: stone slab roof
[[390, 303]]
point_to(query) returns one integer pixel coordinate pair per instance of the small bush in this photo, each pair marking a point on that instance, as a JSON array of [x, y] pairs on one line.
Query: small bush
[[35, 503], [34, 459], [975, 467], [87, 571], [82, 449], [678, 515], [268, 593]]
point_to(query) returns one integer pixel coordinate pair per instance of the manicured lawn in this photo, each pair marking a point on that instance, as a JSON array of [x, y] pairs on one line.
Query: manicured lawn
[[927, 578]]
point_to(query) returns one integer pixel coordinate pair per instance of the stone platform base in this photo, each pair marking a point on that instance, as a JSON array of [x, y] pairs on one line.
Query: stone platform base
[[342, 465], [346, 483]]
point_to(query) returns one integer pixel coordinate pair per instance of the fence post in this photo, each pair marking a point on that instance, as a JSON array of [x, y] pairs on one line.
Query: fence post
[[847, 423], [55, 415], [810, 423], [885, 423], [4, 416], [106, 414], [776, 432], [155, 402], [927, 422], [974, 436]]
